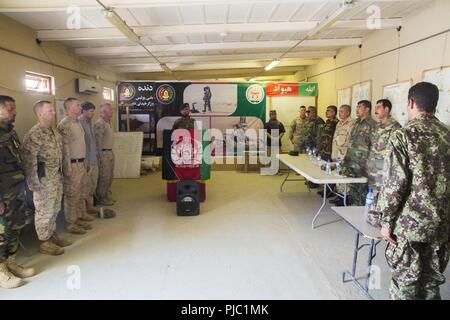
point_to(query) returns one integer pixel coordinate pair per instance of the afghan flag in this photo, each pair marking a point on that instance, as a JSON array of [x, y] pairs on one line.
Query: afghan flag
[[183, 158]]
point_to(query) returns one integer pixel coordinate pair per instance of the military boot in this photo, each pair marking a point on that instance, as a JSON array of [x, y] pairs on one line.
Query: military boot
[[18, 270], [86, 217], [60, 242], [84, 225], [7, 279], [48, 247], [75, 229], [93, 212]]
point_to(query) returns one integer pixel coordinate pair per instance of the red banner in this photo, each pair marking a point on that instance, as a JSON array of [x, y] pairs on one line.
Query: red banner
[[281, 89]]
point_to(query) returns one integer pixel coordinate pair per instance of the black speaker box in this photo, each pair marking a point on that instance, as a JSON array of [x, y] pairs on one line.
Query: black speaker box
[[188, 198]]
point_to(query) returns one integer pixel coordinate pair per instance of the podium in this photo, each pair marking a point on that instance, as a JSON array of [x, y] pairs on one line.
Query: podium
[[183, 159]]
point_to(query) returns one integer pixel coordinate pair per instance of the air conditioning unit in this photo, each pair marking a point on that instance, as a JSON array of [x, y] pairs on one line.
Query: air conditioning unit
[[87, 86]]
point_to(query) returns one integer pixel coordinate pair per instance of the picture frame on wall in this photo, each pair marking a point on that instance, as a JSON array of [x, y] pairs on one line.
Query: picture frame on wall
[[344, 96], [441, 78]]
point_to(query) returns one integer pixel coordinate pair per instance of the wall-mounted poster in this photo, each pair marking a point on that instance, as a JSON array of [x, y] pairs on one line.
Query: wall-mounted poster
[[344, 96], [397, 93], [360, 91], [441, 78]]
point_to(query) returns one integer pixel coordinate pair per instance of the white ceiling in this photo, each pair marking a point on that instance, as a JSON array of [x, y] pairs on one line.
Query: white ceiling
[[211, 35]]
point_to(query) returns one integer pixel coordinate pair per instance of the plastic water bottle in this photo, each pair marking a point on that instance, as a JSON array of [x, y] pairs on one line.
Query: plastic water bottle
[[328, 167], [308, 152], [318, 159], [338, 165], [369, 203]]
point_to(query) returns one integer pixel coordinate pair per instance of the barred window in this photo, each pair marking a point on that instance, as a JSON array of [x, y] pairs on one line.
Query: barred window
[[40, 83]]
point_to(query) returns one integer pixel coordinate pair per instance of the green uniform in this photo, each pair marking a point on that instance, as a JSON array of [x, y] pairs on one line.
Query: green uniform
[[312, 131], [12, 192], [356, 158], [325, 138], [414, 204], [184, 123]]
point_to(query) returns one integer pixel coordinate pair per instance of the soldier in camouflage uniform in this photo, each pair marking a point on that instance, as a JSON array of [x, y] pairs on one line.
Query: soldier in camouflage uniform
[[104, 141], [298, 127], [185, 122], [356, 158], [313, 127], [12, 198], [385, 126], [414, 199], [326, 133], [74, 169], [42, 162]]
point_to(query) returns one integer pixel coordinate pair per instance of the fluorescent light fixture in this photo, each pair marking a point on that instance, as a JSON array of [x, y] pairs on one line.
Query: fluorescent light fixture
[[252, 79], [165, 68], [121, 25], [331, 19], [272, 64]]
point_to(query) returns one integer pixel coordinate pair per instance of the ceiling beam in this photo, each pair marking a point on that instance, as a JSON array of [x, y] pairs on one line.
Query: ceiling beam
[[205, 68], [214, 58], [58, 5], [123, 50], [276, 27]]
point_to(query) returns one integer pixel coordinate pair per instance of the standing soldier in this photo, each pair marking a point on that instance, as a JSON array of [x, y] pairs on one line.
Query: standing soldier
[[104, 140], [325, 138], [298, 127], [12, 198], [414, 199], [382, 132], [341, 138], [74, 153], [185, 122], [42, 162], [91, 160], [314, 125], [356, 158]]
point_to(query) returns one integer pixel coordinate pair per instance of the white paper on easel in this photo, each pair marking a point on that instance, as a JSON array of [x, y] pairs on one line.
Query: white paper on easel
[[128, 153]]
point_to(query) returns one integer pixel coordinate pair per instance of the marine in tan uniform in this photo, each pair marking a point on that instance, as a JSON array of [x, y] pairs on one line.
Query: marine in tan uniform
[[74, 152], [298, 128], [42, 163], [341, 138], [104, 140]]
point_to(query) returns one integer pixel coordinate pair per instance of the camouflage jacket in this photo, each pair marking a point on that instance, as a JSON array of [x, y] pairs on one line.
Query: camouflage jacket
[[312, 132], [414, 198], [41, 145], [356, 158], [325, 138], [298, 127], [341, 139], [12, 179], [184, 123], [379, 150]]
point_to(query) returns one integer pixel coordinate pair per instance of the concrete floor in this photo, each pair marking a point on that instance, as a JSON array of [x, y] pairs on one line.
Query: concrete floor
[[249, 242]]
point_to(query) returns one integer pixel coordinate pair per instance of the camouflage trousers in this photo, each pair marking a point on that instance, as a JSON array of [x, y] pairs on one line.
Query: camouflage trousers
[[105, 175], [417, 269], [74, 193], [47, 202], [11, 222], [91, 184], [358, 193], [299, 145]]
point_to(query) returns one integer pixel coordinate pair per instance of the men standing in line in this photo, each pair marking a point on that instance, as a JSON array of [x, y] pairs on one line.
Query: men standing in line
[[382, 132], [414, 199], [356, 158], [12, 198], [342, 134], [74, 153], [91, 160], [42, 162], [104, 141], [298, 127]]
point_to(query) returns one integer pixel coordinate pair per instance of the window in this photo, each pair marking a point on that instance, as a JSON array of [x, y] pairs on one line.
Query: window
[[39, 83], [108, 94]]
